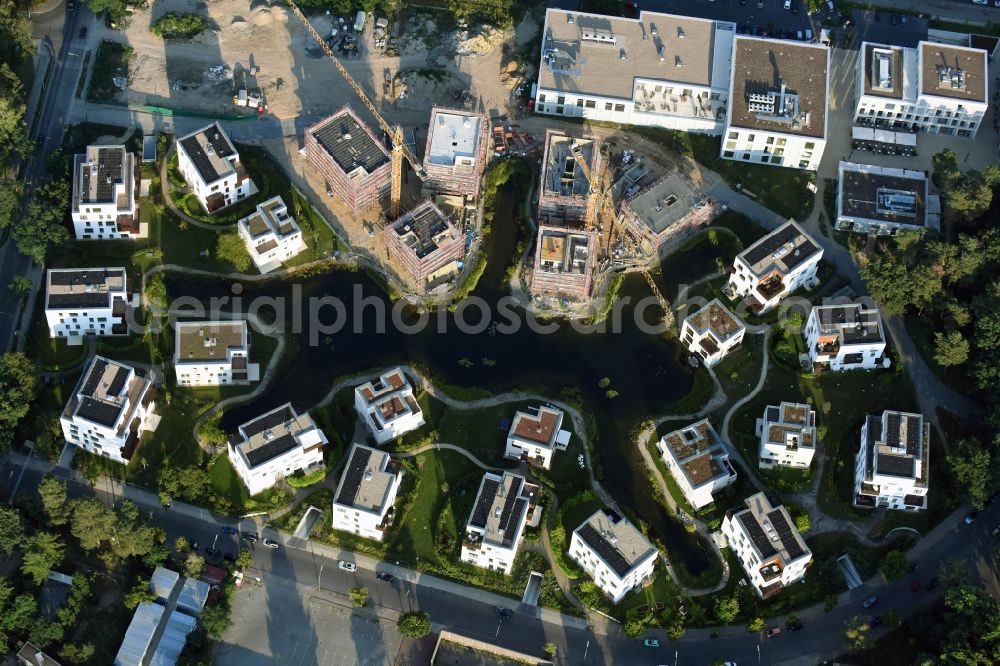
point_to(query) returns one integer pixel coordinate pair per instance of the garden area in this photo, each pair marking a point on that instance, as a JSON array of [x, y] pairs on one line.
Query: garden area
[[175, 25], [111, 62]]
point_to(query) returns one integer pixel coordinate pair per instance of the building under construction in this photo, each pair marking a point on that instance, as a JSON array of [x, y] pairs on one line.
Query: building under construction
[[563, 192], [425, 246], [350, 158], [564, 263], [455, 154], [667, 207]]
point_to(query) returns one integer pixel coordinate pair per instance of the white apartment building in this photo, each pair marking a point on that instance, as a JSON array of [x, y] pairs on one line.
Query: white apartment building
[[275, 445], [213, 353], [764, 539], [271, 235], [698, 460], [87, 301], [775, 266], [712, 332], [103, 202], [503, 506], [778, 107], [937, 88], [893, 463], [388, 407], [365, 497], [883, 200], [109, 409], [845, 337], [535, 434], [658, 70], [616, 555], [211, 166], [787, 436]]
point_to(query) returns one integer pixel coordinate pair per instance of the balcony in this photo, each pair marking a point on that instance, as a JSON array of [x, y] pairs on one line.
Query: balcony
[[768, 591], [770, 572], [770, 287], [828, 347], [387, 521], [473, 540]]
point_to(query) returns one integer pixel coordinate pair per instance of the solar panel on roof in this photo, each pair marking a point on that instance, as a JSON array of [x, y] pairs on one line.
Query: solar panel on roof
[[757, 535], [892, 430], [608, 552], [484, 502], [353, 475], [913, 435], [94, 376], [786, 534], [98, 411], [771, 244], [270, 450], [119, 380], [267, 421]]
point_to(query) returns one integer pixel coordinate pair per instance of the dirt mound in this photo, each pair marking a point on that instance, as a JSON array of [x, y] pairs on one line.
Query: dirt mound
[[262, 16]]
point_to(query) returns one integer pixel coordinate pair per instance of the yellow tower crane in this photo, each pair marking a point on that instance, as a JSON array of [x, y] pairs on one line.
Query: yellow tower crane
[[399, 147]]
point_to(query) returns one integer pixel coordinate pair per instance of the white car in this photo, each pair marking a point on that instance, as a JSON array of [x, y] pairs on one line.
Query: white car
[[981, 2], [788, 4], [347, 566]]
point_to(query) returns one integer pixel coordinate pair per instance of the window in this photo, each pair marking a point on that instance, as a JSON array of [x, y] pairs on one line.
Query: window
[[559, 110], [590, 104], [619, 108], [810, 145], [728, 153], [541, 98], [733, 135], [561, 99], [579, 102], [751, 138], [607, 106], [770, 140], [730, 145], [714, 96]]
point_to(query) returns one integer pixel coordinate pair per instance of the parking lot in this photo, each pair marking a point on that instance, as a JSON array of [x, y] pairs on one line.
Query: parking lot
[[772, 16]]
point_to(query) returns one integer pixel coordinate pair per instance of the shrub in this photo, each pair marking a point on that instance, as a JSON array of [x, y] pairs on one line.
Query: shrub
[[306, 480], [174, 25], [359, 596], [415, 624]]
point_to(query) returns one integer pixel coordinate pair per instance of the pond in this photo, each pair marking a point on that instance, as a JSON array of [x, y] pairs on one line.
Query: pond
[[642, 367]]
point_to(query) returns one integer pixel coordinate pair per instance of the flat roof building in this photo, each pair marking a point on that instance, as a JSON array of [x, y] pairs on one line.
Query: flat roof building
[[363, 503], [87, 301], [893, 463], [668, 206], [210, 164], [271, 235], [564, 263], [787, 436], [698, 460], [496, 525], [426, 245], [712, 332], [352, 160], [564, 187], [105, 191], [535, 434], [774, 266], [455, 155], [275, 445], [883, 200], [213, 353], [845, 337], [388, 407], [616, 555]]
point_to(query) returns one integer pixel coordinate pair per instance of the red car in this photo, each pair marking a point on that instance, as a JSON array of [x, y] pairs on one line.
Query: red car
[[772, 632]]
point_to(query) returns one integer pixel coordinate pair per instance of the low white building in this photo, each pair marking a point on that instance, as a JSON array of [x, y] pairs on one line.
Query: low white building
[[109, 409], [213, 353], [882, 200], [936, 88], [893, 463], [658, 70], [211, 166], [503, 506], [712, 332], [365, 497], [275, 445], [103, 201], [535, 434], [775, 266], [787, 436], [271, 235], [388, 407], [616, 555], [765, 541], [698, 460], [845, 337], [87, 301], [778, 107]]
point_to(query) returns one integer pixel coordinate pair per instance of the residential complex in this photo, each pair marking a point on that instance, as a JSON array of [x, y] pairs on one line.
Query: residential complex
[[778, 105], [455, 154], [211, 166], [787, 436], [159, 629], [365, 497], [712, 332], [426, 245], [275, 445], [213, 353], [564, 263], [764, 539], [535, 434], [698, 460], [883, 200], [105, 189], [109, 409], [565, 188], [658, 70], [845, 337], [775, 266], [271, 235], [892, 465], [936, 88], [388, 407], [503, 506], [87, 301], [350, 158], [616, 555]]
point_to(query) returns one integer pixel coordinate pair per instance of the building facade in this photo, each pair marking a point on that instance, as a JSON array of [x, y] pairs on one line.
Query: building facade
[[87, 301], [455, 154], [105, 190], [271, 235], [535, 434], [698, 460], [712, 332], [211, 166], [775, 266], [892, 464], [845, 337], [213, 353], [109, 409], [503, 506], [616, 555], [787, 436], [388, 407], [426, 245], [564, 263], [366, 495], [275, 445]]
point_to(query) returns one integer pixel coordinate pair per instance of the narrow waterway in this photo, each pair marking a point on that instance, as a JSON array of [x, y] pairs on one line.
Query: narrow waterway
[[643, 368]]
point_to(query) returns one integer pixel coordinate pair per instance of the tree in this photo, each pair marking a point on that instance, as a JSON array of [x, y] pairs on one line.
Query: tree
[[894, 565], [20, 284], [11, 192], [756, 625], [946, 169], [18, 387], [897, 285], [634, 627], [11, 530], [359, 596], [21, 614], [76, 653], [49, 439], [550, 650], [13, 140], [230, 248], [215, 620], [726, 609], [156, 291], [971, 468], [132, 536], [39, 233], [115, 8], [891, 618], [802, 522], [42, 553], [950, 348], [415, 624], [44, 633], [858, 634], [91, 522], [53, 494], [792, 618], [187, 483], [181, 544], [194, 565], [244, 559], [138, 594]]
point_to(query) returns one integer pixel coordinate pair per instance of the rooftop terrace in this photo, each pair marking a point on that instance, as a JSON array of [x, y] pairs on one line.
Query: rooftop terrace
[[424, 229], [715, 317], [883, 194], [68, 288], [953, 71], [209, 340], [782, 251], [454, 138], [209, 149]]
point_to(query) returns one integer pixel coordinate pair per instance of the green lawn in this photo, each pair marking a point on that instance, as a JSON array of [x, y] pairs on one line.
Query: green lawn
[[749, 232], [50, 353], [225, 481], [111, 61]]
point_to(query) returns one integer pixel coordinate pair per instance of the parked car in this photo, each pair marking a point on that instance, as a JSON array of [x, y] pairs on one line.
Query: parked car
[[251, 537], [772, 632], [383, 576], [931, 584], [271, 543], [969, 519], [194, 546], [793, 626], [760, 4], [70, 5], [347, 566], [229, 530], [83, 32], [870, 601], [913, 567], [788, 4], [504, 612], [651, 642]]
